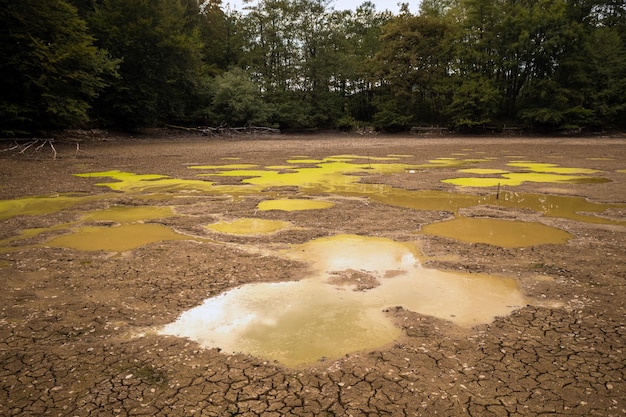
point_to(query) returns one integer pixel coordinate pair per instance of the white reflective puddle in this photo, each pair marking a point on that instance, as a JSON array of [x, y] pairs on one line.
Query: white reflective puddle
[[324, 316]]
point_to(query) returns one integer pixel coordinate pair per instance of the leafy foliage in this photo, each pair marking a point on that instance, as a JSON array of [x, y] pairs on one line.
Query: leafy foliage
[[159, 46], [302, 64], [238, 101], [50, 69]]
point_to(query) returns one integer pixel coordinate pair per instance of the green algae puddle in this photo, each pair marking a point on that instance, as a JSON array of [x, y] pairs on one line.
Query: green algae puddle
[[497, 232], [535, 172], [297, 323], [41, 205], [565, 207], [341, 174], [148, 183]]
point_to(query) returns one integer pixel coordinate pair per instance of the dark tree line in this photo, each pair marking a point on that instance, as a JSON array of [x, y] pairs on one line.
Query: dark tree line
[[299, 64]]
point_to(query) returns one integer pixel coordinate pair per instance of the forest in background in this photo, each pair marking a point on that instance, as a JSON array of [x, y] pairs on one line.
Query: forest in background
[[467, 65]]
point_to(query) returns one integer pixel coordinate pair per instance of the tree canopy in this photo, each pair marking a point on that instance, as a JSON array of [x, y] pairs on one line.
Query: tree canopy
[[306, 64]]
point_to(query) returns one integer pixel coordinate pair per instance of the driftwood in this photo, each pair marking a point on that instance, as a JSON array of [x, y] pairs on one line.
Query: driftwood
[[424, 130], [227, 131], [31, 146]]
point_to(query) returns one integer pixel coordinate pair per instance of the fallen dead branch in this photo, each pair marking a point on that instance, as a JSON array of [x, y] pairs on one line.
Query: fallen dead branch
[[227, 131], [31, 146]]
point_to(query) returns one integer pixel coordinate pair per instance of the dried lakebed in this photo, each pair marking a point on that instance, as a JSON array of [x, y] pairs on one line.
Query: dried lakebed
[[497, 294]]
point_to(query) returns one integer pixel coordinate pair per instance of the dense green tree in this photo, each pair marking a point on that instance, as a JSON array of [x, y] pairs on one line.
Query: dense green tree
[[237, 101], [607, 70], [308, 59], [158, 43], [49, 68], [363, 29], [221, 42], [475, 60], [304, 64], [412, 66], [586, 76]]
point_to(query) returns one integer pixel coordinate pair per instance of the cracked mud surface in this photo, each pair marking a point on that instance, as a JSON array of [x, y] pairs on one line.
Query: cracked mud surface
[[74, 325]]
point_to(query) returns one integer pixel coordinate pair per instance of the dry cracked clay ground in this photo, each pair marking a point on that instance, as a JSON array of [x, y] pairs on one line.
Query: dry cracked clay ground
[[73, 323]]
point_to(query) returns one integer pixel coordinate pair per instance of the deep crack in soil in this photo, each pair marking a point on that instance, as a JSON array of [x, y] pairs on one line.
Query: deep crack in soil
[[73, 324]]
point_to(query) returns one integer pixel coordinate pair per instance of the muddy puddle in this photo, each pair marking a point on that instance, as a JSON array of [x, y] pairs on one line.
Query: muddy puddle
[[115, 229], [320, 316], [498, 232], [117, 238]]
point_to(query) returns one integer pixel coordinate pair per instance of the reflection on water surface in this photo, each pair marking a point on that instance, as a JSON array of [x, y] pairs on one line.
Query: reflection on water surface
[[303, 321], [498, 232], [320, 315]]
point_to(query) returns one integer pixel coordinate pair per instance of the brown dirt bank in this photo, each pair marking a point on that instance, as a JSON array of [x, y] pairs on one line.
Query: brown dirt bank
[[69, 319]]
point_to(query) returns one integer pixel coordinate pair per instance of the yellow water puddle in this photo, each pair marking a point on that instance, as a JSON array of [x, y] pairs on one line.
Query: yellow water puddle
[[518, 178], [294, 204], [297, 323], [419, 199], [239, 173], [6, 244], [333, 174], [551, 168], [483, 171], [536, 172], [249, 226], [142, 183], [129, 214], [564, 207], [35, 206], [497, 232], [304, 161], [343, 178], [352, 157], [226, 166], [116, 238], [280, 167]]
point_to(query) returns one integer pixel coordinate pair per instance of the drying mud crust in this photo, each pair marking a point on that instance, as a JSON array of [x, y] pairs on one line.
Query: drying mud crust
[[104, 250]]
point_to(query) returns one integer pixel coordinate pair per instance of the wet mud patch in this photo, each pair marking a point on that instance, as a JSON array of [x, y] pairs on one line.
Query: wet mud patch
[[358, 280], [249, 226]]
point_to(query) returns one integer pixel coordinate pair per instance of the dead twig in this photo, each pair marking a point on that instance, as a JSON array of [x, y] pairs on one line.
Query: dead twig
[[35, 145]]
